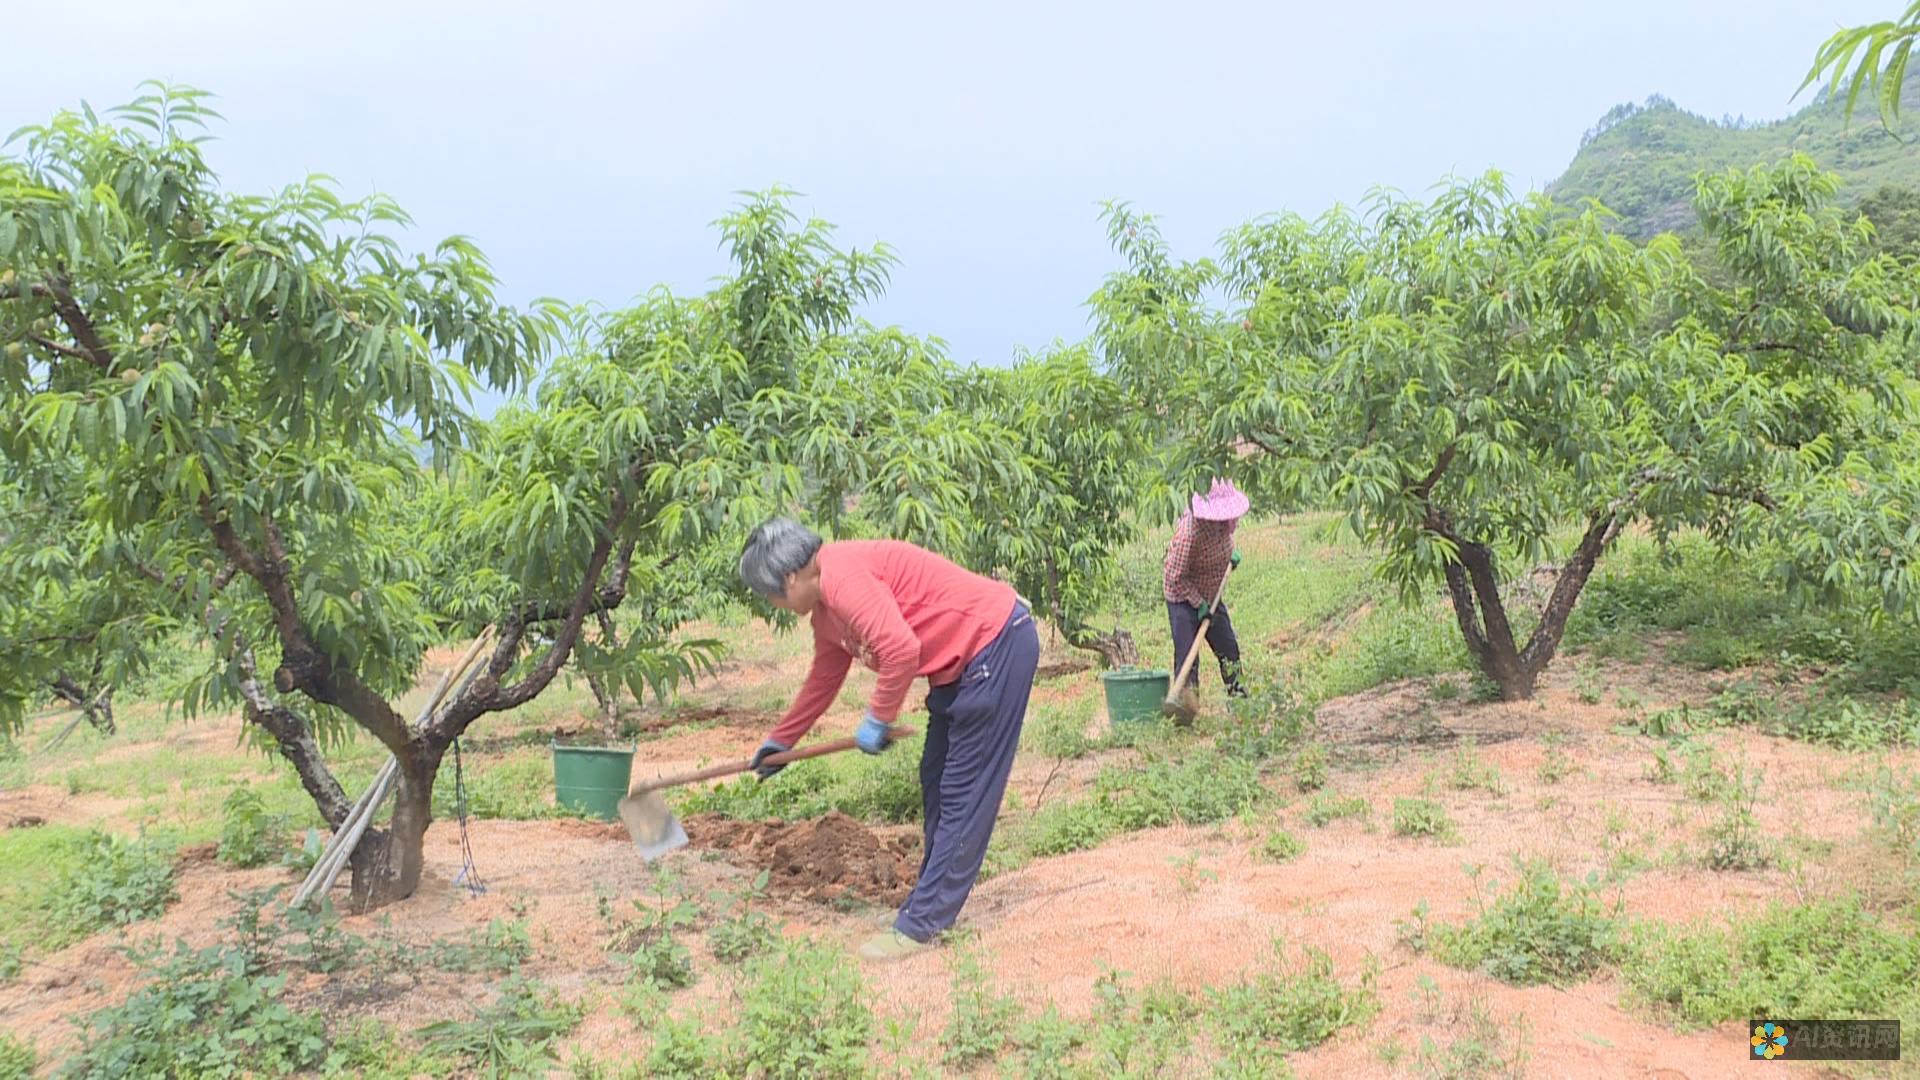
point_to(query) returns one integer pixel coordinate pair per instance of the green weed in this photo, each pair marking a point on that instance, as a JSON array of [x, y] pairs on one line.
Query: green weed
[[1555, 765], [743, 932], [1894, 802], [1047, 1046], [1059, 733], [1326, 808], [981, 1024], [249, 835], [650, 942], [1280, 846], [803, 1015], [1588, 685], [1478, 1048], [1827, 959], [372, 1050], [1310, 767], [1468, 771], [684, 1050], [1138, 1033], [17, 1058], [1422, 817], [203, 1012], [873, 787], [1541, 931], [514, 1034], [112, 882], [1203, 788], [1661, 770], [1734, 841], [1287, 1008], [1188, 874]]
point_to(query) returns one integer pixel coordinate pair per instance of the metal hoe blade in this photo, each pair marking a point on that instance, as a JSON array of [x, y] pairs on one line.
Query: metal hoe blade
[[654, 829]]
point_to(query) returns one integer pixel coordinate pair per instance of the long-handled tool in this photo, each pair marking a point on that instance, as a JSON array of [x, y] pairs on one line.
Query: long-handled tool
[[1179, 704], [654, 829]]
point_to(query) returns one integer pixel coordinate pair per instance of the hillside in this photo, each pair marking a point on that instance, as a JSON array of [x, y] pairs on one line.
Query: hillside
[[1640, 160]]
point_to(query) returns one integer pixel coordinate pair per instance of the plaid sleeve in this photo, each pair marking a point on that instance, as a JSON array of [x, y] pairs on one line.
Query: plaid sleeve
[[1179, 560]]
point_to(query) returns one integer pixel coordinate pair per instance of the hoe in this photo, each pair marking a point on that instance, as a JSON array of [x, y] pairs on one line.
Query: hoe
[[654, 829]]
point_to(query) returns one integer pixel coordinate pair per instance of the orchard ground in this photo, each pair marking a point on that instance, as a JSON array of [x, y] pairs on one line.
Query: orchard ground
[[1713, 805]]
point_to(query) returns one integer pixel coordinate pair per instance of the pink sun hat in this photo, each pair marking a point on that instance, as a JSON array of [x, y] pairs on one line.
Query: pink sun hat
[[1223, 503]]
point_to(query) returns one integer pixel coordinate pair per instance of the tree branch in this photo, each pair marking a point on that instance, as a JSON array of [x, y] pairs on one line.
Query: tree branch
[[77, 322], [303, 666], [486, 694], [1758, 497], [294, 737], [63, 350], [1424, 489]]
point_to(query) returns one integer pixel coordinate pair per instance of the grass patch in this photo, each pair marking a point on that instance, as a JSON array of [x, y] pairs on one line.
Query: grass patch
[[1478, 1047], [1326, 808], [1542, 931], [981, 1025], [514, 1035], [1468, 771], [1287, 1008], [1423, 817], [109, 881], [1280, 846], [206, 1012], [1830, 959], [1201, 789]]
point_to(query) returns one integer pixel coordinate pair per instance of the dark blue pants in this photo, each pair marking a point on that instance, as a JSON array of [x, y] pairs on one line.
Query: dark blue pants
[[973, 729], [1220, 638]]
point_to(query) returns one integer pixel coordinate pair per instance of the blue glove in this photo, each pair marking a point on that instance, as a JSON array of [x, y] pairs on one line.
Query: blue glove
[[767, 748], [1234, 559], [873, 736]]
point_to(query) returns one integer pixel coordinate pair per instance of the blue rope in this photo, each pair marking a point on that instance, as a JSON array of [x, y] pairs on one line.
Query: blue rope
[[469, 874]]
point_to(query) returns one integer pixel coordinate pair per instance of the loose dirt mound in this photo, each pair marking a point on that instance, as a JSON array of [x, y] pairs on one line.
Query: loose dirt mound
[[826, 859]]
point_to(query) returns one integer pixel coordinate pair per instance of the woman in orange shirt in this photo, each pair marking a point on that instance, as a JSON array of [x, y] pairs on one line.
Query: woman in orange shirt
[[907, 613]]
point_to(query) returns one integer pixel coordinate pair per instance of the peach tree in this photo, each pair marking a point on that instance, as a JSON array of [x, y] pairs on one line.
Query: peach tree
[[246, 387], [1489, 386]]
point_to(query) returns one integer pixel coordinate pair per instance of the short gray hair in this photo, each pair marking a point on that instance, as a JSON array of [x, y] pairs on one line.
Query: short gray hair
[[777, 549]]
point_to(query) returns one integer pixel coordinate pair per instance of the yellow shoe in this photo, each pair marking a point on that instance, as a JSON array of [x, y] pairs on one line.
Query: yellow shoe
[[892, 945]]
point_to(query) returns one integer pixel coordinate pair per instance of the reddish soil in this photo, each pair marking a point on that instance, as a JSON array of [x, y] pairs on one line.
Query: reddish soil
[[826, 859], [1190, 904]]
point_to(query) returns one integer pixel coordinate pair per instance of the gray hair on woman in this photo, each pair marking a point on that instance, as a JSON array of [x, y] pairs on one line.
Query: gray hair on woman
[[777, 549]]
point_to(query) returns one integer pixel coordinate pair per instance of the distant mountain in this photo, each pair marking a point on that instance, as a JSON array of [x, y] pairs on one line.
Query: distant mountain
[[1640, 160]]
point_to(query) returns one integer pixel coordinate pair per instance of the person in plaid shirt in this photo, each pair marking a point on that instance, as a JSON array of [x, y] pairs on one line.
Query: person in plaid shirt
[[1198, 560]]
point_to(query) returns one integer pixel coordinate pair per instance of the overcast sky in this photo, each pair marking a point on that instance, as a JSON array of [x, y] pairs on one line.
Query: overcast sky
[[588, 147]]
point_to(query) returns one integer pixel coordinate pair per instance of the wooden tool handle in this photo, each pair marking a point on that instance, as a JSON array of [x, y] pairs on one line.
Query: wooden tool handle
[[834, 746]]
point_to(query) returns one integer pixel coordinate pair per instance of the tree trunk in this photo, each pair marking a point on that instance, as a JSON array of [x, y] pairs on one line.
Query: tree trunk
[[297, 744], [606, 693], [1475, 591], [1600, 534], [1474, 587], [398, 858], [1116, 650]]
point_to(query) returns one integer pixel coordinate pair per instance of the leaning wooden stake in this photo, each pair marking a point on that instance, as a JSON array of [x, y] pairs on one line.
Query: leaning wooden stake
[[339, 850]]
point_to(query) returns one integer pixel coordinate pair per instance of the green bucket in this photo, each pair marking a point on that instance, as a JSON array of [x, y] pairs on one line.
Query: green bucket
[[1135, 696], [592, 779]]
